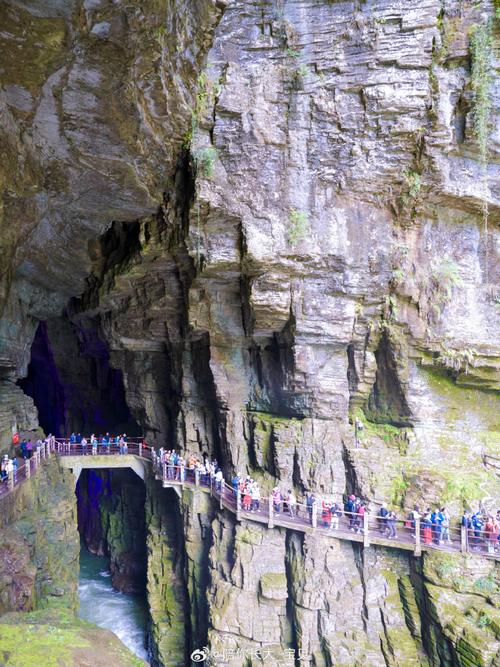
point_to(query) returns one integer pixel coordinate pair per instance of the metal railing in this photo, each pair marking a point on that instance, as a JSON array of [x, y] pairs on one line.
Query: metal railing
[[361, 527], [28, 468], [135, 446]]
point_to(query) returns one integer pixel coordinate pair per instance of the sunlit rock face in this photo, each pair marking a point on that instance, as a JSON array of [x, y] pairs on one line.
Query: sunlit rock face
[[326, 250]]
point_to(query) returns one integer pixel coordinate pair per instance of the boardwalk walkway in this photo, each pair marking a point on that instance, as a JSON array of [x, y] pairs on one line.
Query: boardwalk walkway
[[365, 530]]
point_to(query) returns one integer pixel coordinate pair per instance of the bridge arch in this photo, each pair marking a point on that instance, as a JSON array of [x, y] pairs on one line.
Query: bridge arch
[[76, 464]]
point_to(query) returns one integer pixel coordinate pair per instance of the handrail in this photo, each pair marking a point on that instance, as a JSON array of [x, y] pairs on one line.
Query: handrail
[[354, 526], [28, 468]]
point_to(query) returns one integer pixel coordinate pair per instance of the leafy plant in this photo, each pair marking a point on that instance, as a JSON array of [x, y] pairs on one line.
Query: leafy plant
[[413, 184], [299, 226], [160, 34], [399, 488], [302, 71], [205, 159], [292, 53], [483, 621], [208, 89], [391, 305], [398, 275], [486, 584], [445, 276], [481, 77], [457, 358]]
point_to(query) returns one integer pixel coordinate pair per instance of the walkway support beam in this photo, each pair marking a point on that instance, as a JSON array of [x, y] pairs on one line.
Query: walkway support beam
[[418, 545], [270, 522], [366, 535]]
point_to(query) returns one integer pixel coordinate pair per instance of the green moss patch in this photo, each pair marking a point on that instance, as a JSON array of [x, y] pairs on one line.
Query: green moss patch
[[55, 638]]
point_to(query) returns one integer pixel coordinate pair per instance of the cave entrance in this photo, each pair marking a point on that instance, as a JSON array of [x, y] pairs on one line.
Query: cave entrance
[[73, 384], [113, 562]]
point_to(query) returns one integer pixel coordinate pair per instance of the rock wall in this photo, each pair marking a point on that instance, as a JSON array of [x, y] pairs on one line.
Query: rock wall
[[112, 522], [281, 217], [39, 549]]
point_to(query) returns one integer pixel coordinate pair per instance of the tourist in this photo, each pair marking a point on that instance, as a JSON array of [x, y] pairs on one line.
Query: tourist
[[414, 516], [491, 534], [72, 439], [477, 528], [93, 442], [336, 514], [382, 518], [255, 493], [427, 527], [3, 468], [84, 446], [29, 448], [391, 525], [247, 498], [326, 513], [235, 483], [445, 525], [436, 526], [219, 479], [311, 505], [292, 503], [24, 451], [276, 495], [360, 519], [350, 508]]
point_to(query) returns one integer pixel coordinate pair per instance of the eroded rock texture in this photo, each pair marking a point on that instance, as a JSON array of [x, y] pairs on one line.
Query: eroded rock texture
[[325, 250]]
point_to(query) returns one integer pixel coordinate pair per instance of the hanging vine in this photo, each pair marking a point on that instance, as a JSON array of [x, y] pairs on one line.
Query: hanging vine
[[481, 77]]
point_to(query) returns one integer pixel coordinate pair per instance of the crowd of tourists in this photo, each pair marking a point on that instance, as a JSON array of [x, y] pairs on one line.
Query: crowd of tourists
[[434, 523], [9, 465], [482, 527], [104, 441], [176, 467]]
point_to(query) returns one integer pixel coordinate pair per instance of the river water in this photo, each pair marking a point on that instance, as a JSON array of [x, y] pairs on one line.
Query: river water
[[125, 615]]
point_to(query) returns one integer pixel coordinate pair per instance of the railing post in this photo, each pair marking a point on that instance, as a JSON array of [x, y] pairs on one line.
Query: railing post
[[28, 468], [44, 453], [418, 544], [196, 477], [366, 536], [221, 497], [270, 522], [464, 546], [165, 472], [314, 516], [183, 474], [238, 505], [140, 449]]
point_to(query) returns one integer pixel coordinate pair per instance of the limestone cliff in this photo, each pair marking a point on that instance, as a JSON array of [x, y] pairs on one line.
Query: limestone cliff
[[279, 216]]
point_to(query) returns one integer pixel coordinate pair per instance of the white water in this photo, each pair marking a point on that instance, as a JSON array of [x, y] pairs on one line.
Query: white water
[[125, 615]]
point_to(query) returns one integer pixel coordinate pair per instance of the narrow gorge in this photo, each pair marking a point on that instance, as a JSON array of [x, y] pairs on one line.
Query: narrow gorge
[[262, 232]]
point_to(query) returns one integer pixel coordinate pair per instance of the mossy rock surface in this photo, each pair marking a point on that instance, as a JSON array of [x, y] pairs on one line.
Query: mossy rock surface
[[273, 586], [55, 638]]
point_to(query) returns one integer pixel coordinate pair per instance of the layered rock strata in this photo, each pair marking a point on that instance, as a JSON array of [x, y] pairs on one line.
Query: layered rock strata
[[324, 251]]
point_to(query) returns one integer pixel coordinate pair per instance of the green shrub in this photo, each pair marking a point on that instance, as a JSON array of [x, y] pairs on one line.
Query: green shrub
[[486, 584], [204, 159], [299, 226]]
